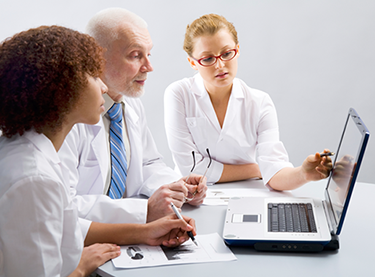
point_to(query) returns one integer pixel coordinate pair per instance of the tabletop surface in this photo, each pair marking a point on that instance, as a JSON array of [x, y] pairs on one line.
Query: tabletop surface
[[354, 258]]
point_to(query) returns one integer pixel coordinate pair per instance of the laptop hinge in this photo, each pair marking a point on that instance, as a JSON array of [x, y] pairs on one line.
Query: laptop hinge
[[329, 217]]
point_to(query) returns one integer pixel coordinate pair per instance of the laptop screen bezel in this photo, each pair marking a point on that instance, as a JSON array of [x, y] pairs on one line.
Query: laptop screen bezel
[[352, 115]]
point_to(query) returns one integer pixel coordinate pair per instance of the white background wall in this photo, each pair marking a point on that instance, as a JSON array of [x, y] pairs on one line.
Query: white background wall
[[315, 58]]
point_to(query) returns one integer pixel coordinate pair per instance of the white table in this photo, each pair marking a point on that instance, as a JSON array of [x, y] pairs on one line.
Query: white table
[[355, 257]]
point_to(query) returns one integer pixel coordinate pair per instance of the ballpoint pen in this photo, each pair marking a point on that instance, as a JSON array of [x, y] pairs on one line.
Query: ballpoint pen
[[190, 234], [327, 154]]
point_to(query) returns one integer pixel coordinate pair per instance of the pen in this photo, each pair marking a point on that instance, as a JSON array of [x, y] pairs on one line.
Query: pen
[[190, 234], [327, 154]]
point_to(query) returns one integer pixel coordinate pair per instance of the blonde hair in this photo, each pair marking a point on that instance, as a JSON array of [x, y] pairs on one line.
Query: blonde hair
[[208, 24], [106, 24]]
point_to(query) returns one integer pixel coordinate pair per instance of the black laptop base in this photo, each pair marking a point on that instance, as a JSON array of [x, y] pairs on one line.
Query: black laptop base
[[279, 246]]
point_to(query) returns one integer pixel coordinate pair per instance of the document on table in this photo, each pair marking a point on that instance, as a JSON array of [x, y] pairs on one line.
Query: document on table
[[211, 248], [216, 197]]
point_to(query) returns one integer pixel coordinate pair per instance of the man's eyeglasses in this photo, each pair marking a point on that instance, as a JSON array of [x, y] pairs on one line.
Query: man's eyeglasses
[[211, 60], [191, 195]]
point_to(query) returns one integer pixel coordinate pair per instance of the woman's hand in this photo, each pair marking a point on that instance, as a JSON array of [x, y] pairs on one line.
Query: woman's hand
[[316, 167], [169, 231], [94, 256]]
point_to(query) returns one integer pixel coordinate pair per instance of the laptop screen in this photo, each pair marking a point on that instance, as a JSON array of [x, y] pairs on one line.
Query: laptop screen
[[346, 166]]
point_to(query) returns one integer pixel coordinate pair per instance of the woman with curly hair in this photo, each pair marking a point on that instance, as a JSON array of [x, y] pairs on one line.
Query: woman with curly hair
[[49, 81]]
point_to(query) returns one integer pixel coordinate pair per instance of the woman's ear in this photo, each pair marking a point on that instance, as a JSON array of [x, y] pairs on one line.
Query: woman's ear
[[238, 49], [192, 63]]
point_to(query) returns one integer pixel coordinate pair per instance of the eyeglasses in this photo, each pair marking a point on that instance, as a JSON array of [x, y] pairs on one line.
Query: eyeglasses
[[191, 195], [211, 60]]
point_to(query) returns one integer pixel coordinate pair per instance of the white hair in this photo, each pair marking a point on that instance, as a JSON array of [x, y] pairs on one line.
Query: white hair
[[104, 26]]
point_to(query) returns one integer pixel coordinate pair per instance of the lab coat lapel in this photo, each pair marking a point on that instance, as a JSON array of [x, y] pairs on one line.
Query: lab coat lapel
[[204, 101], [45, 146], [135, 139], [100, 151], [134, 180], [235, 101]]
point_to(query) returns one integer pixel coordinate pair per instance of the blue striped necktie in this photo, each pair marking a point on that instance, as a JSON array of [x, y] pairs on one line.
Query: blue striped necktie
[[118, 154]]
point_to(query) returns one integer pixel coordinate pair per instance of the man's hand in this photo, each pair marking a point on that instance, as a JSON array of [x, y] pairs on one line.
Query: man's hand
[[159, 204], [197, 187]]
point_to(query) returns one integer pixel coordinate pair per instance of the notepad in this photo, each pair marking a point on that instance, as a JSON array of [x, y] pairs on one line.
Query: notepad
[[211, 248]]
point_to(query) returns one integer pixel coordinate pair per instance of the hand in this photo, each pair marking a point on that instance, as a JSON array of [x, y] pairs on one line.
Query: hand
[[316, 167], [343, 171], [94, 256], [197, 187], [169, 231], [159, 204]]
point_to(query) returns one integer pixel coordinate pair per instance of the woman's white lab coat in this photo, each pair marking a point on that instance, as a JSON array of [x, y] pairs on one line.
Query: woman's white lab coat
[[250, 132], [39, 230]]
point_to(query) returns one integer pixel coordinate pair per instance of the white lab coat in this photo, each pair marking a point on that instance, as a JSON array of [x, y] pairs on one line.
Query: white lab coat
[[39, 230], [85, 153], [250, 132]]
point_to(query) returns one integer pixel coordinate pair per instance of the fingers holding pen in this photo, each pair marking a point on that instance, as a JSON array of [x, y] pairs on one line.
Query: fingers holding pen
[[326, 158], [179, 230], [325, 165]]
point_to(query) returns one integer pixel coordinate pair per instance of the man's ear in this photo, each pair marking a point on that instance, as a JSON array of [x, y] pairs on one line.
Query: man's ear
[[192, 63]]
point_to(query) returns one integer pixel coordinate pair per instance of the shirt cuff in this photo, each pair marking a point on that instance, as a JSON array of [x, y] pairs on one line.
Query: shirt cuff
[[214, 173], [85, 226]]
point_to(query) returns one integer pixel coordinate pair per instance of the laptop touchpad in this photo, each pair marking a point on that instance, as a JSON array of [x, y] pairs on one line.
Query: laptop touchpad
[[246, 218]]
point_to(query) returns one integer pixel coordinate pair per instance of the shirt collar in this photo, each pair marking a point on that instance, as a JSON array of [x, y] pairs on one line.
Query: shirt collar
[[198, 86], [128, 110], [109, 102], [237, 91], [44, 145]]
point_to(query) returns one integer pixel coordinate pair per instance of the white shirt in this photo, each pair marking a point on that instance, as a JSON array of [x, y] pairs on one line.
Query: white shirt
[[250, 132], [39, 230]]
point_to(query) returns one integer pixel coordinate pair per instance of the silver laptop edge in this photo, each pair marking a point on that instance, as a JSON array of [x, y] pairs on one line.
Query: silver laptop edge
[[335, 223], [337, 194]]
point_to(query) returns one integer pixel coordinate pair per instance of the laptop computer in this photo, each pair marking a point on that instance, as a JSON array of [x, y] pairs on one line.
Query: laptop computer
[[301, 224]]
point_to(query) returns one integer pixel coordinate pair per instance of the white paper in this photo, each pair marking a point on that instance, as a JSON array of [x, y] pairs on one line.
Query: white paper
[[215, 197], [211, 248]]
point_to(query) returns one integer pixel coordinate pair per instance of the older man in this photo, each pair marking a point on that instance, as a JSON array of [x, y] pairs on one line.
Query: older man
[[118, 157]]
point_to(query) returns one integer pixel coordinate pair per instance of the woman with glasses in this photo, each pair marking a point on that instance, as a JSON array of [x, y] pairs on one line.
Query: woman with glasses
[[215, 110]]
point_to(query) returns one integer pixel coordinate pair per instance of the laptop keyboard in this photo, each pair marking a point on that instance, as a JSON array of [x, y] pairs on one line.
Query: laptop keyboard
[[291, 217]]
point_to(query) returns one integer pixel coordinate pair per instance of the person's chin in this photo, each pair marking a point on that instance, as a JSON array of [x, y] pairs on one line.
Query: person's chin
[[92, 121], [135, 92], [227, 80]]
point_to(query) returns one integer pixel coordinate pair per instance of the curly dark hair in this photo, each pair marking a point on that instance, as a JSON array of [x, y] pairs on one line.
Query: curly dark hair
[[42, 73]]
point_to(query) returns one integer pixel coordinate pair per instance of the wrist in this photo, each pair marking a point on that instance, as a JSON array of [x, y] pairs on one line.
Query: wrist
[[304, 176], [147, 232], [141, 233], [79, 272], [148, 212]]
